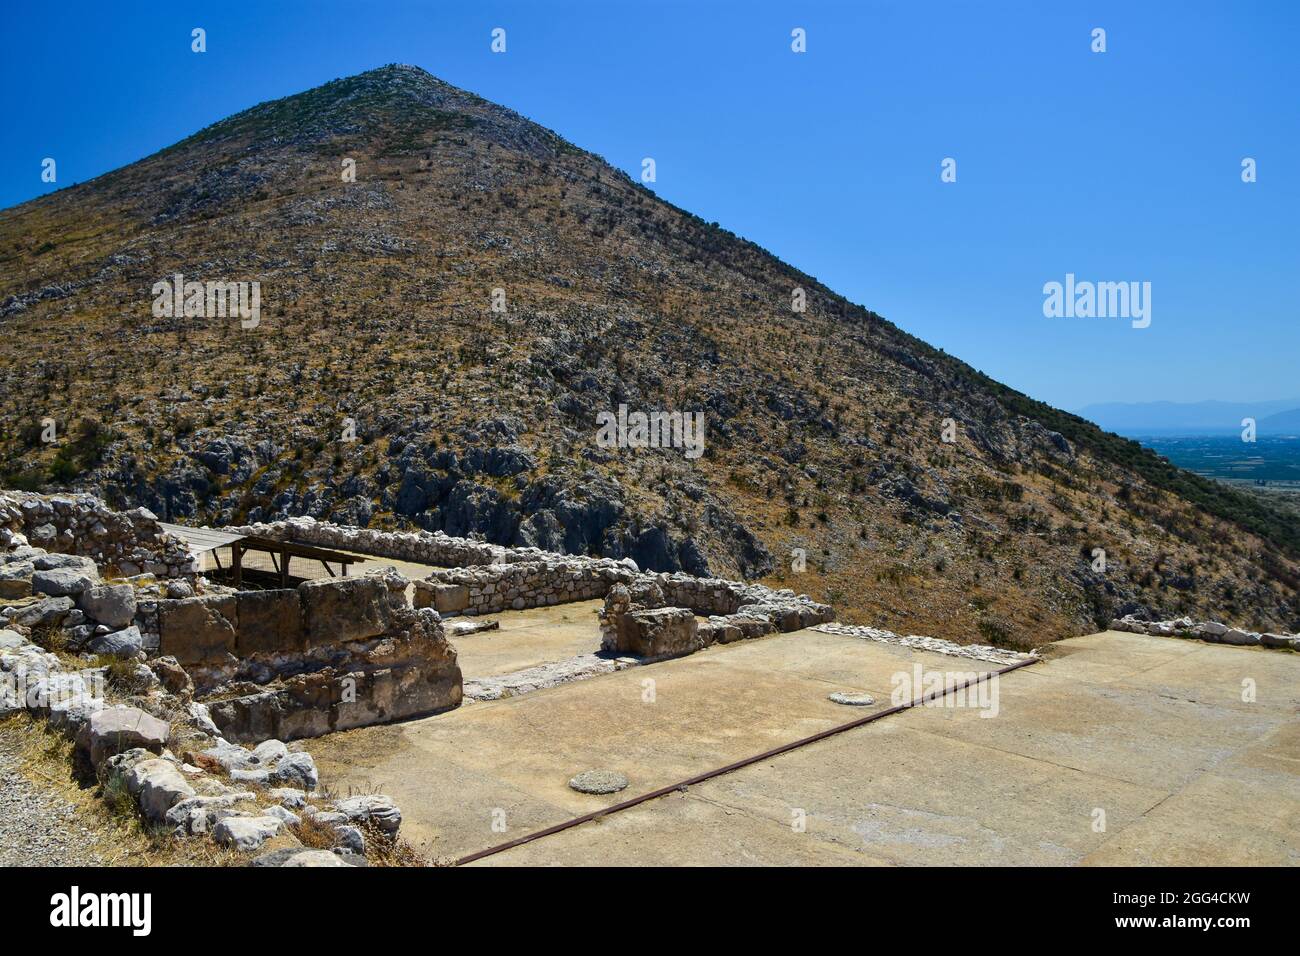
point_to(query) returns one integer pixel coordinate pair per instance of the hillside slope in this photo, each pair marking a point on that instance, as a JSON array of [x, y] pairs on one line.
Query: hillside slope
[[823, 428]]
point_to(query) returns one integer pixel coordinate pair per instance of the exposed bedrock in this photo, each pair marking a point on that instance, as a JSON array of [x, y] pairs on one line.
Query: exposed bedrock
[[485, 490]]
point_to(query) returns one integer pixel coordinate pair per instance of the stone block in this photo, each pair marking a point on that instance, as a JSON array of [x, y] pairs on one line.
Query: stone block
[[16, 579], [114, 730], [111, 604], [339, 611], [269, 621], [450, 598], [198, 630], [64, 582], [659, 632]]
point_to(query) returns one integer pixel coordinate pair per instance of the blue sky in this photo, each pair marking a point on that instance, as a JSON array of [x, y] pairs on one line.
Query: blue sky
[[1119, 166]]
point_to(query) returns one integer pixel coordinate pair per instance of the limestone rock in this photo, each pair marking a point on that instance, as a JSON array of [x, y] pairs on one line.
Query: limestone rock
[[270, 765], [124, 643], [297, 770], [197, 630], [16, 579], [63, 582], [659, 632], [50, 610], [116, 729], [296, 857], [315, 858], [69, 716], [289, 797], [339, 611], [1235, 636], [287, 817], [374, 808], [111, 604], [269, 621], [199, 814], [245, 833], [157, 786], [172, 676], [50, 561], [351, 839]]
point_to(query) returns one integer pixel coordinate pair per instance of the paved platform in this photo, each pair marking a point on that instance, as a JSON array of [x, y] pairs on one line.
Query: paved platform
[[1152, 732], [529, 638]]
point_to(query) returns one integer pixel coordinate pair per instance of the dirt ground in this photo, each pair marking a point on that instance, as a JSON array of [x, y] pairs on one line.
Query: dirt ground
[[529, 638]]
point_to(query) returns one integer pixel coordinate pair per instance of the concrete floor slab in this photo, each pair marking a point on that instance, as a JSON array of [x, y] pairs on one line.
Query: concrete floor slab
[[1152, 731], [689, 831], [657, 724]]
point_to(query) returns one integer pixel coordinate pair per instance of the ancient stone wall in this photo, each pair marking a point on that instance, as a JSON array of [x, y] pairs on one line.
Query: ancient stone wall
[[131, 542], [647, 619], [1211, 631], [479, 578], [328, 655], [419, 547], [500, 587]]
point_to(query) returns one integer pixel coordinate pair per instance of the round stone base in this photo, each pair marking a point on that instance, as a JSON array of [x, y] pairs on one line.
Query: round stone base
[[598, 781], [852, 700]]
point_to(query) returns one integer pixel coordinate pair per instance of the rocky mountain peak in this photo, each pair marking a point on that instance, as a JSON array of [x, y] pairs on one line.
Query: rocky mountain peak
[[479, 293]]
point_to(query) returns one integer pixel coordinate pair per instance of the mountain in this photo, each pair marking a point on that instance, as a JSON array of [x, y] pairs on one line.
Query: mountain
[[1281, 423], [823, 428], [1140, 419]]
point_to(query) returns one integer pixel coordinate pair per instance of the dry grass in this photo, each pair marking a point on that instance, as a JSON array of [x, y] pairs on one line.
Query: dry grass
[[817, 406], [121, 837], [382, 850], [316, 835]]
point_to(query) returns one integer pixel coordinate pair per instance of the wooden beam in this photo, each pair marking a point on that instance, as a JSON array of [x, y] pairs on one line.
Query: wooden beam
[[254, 543], [237, 562]]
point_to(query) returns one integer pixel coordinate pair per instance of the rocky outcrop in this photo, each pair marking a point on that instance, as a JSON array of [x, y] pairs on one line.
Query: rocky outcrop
[[239, 798]]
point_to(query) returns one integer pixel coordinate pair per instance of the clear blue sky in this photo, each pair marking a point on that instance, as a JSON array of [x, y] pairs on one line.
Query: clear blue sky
[[1116, 166]]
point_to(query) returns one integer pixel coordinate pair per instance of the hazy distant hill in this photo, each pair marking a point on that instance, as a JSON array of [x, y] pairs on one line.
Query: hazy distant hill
[[823, 428], [1185, 418], [1283, 423]]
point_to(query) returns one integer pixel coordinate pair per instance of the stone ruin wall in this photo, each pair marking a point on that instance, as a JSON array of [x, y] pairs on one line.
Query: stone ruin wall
[[328, 655], [131, 542], [418, 547], [651, 615], [480, 578], [504, 587], [339, 653]]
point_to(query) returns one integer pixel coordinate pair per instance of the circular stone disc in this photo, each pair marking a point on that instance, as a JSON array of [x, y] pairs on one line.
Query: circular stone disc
[[853, 700], [598, 781]]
